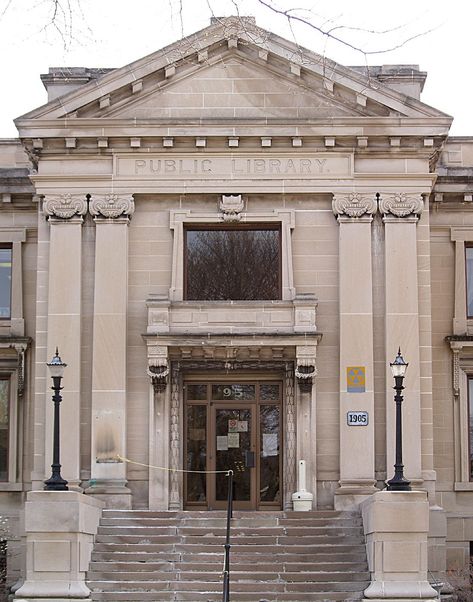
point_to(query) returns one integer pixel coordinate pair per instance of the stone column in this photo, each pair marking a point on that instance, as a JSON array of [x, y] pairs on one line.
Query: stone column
[[305, 395], [159, 432], [63, 326], [357, 466], [108, 473], [400, 215]]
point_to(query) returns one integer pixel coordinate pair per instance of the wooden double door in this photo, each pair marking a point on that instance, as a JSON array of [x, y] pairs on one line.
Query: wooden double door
[[233, 426]]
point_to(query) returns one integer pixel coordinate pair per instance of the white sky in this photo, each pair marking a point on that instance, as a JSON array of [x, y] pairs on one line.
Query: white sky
[[112, 33]]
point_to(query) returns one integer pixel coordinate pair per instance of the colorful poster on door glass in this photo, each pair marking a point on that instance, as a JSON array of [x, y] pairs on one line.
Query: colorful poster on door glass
[[242, 426], [233, 426], [222, 443], [233, 440]]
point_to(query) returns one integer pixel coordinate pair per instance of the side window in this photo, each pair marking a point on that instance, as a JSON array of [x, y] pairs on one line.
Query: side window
[[469, 280], [232, 263], [5, 281], [4, 427]]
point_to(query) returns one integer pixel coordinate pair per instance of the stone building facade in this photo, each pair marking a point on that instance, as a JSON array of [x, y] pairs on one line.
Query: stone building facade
[[228, 240]]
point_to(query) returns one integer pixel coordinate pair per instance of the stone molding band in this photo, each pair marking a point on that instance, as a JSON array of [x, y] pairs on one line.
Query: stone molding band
[[68, 205], [356, 205]]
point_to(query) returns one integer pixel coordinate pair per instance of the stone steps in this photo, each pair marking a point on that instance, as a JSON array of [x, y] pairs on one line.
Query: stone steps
[[275, 556]]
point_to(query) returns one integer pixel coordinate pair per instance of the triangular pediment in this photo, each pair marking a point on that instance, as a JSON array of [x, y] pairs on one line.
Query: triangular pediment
[[226, 72]]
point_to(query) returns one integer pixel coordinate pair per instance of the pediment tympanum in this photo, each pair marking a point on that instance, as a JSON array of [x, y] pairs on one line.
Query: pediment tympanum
[[231, 88]]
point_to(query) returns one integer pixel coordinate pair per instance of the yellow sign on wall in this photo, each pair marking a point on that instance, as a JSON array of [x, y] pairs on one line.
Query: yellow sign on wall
[[356, 379]]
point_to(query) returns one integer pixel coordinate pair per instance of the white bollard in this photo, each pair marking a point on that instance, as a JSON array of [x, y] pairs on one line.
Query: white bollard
[[302, 499]]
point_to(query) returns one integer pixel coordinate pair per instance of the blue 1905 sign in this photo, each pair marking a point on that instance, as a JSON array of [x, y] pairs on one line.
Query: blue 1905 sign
[[357, 418]]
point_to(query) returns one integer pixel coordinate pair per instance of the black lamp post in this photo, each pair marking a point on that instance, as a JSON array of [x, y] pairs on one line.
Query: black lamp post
[[398, 482], [56, 482]]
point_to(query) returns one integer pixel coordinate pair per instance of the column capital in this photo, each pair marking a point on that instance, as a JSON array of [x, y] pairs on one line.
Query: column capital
[[65, 205], [401, 204], [354, 204], [111, 205]]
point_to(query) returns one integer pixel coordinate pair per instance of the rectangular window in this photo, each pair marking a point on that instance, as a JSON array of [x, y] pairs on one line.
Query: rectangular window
[[5, 281], [241, 262], [4, 424]]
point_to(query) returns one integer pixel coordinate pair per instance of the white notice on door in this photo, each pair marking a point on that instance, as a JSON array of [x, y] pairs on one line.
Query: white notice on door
[[233, 439], [222, 443], [270, 444]]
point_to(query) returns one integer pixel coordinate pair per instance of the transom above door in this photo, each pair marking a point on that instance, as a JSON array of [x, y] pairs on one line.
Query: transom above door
[[233, 426]]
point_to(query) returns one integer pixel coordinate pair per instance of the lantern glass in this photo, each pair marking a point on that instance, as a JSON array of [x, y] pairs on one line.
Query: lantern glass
[[56, 366], [399, 366]]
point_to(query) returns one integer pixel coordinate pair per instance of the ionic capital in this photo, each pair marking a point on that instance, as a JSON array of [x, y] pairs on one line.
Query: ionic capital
[[354, 204], [111, 205], [401, 204], [65, 205]]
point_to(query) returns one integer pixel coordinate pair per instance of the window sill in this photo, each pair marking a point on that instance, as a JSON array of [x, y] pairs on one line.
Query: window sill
[[232, 317], [463, 486], [11, 486]]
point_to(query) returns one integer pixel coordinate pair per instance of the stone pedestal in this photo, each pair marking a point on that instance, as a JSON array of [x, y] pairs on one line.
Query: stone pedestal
[[396, 525], [60, 529]]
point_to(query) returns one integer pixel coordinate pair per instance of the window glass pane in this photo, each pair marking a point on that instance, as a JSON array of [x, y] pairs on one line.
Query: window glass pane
[[269, 453], [233, 264], [469, 280], [197, 392], [196, 452], [5, 282], [269, 392], [470, 425], [233, 392], [4, 404]]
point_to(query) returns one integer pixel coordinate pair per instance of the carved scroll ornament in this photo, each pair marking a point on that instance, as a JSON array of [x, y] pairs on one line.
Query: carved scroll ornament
[[65, 205], [401, 204], [354, 204], [158, 371], [112, 205]]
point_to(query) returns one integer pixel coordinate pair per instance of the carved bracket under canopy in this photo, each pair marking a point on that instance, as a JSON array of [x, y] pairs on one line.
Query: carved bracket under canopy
[[158, 366], [306, 370]]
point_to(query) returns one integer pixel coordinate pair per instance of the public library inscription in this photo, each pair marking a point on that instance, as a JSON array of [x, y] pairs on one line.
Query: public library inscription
[[171, 167]]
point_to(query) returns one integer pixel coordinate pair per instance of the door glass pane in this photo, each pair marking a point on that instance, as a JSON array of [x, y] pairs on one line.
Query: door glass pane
[[269, 453], [196, 452], [233, 392], [4, 397], [233, 432]]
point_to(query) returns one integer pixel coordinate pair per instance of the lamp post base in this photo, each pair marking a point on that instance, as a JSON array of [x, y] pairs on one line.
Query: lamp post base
[[400, 484]]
